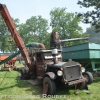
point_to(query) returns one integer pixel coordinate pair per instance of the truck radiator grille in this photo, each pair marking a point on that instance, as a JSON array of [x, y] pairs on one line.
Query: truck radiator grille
[[72, 73]]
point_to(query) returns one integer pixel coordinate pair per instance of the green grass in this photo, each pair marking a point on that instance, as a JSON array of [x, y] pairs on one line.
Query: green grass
[[17, 64], [11, 86]]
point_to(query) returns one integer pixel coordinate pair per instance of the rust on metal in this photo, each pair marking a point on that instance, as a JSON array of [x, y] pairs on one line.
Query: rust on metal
[[77, 81], [19, 42]]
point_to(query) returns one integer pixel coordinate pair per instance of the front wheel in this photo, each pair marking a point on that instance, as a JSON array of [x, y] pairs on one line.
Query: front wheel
[[89, 77], [51, 85]]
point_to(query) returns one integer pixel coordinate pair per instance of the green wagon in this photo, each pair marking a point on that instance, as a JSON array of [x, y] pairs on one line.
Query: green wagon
[[88, 54]]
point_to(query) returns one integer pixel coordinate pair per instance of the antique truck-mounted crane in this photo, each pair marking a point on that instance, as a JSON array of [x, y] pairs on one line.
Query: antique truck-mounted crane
[[46, 64]]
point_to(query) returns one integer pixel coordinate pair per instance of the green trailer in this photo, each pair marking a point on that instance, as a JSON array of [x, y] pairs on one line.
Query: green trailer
[[88, 54]]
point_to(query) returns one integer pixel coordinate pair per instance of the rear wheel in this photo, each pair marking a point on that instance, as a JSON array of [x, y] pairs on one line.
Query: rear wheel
[[51, 85], [89, 77]]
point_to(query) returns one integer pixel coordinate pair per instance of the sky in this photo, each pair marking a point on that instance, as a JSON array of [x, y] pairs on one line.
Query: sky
[[25, 9]]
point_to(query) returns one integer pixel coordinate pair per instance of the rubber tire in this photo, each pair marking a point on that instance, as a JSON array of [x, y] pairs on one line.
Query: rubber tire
[[24, 74], [89, 77], [51, 85]]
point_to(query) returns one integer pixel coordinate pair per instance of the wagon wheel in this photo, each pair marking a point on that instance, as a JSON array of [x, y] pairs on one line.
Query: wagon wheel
[[89, 77], [51, 85]]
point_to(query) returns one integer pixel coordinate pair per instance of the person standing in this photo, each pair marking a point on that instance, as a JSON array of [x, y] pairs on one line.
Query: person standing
[[54, 40]]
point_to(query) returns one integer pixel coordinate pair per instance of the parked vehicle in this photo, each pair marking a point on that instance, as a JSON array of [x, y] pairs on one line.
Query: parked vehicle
[[45, 64]]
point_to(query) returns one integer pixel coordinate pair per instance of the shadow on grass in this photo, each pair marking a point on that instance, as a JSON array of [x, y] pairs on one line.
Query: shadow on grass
[[10, 82], [62, 91], [34, 89], [96, 80]]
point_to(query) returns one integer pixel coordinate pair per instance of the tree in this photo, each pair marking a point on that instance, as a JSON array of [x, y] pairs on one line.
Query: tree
[[5, 36], [67, 24], [35, 30], [93, 16], [23, 31]]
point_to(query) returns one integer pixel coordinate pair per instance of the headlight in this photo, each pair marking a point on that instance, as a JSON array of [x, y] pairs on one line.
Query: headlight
[[59, 73], [82, 69]]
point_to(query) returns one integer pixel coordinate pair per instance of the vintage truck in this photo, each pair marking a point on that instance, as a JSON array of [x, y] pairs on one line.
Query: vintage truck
[[45, 64]]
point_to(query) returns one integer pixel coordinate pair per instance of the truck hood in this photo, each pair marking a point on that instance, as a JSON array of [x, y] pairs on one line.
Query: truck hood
[[70, 63]]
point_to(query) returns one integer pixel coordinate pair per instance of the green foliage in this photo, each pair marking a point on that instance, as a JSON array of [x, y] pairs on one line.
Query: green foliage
[[5, 35], [67, 24], [34, 30], [93, 16]]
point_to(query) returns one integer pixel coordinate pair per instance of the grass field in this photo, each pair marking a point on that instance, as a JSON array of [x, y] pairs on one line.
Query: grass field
[[11, 88]]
